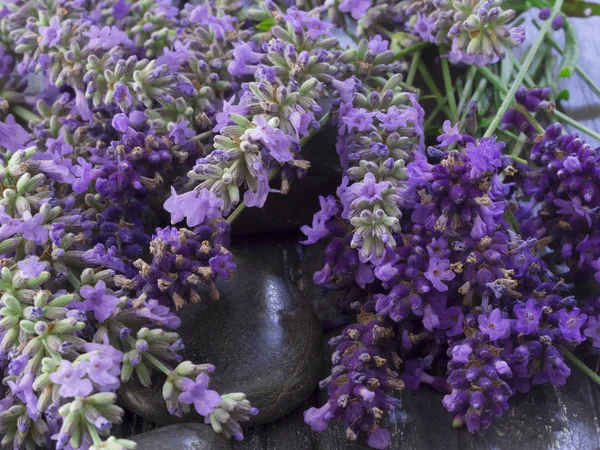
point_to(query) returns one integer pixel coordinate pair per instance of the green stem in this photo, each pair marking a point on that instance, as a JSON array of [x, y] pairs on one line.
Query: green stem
[[526, 64], [24, 113], [432, 87], [13, 97], [538, 126], [433, 114], [578, 70], [580, 364], [410, 50], [575, 124], [466, 92], [448, 86], [202, 136], [413, 68], [93, 432], [157, 364]]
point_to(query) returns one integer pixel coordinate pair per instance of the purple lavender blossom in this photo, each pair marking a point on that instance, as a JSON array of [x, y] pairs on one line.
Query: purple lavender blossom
[[592, 330], [438, 272], [450, 135], [31, 267], [12, 135], [98, 301], [528, 317], [356, 8], [198, 394], [570, 324], [72, 379], [494, 325]]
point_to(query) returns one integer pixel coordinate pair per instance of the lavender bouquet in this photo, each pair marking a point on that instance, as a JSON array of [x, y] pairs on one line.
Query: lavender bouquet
[[458, 252]]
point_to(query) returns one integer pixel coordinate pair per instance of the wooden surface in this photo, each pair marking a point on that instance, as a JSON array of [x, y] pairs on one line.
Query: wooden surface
[[566, 418]]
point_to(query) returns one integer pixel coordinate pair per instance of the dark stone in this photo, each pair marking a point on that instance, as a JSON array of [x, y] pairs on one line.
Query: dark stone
[[185, 436], [262, 336]]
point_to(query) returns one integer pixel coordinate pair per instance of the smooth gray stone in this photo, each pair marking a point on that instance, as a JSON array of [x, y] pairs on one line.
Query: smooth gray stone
[[262, 336], [185, 436]]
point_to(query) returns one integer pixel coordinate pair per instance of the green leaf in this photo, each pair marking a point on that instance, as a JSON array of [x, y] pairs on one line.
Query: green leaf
[[563, 95], [266, 25], [571, 51]]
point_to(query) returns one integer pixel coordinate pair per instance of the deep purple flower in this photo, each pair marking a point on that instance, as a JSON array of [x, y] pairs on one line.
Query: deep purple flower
[[528, 317], [198, 394], [31, 267], [438, 272], [120, 9], [592, 330], [545, 13], [558, 22], [494, 325], [98, 301], [570, 324], [222, 265]]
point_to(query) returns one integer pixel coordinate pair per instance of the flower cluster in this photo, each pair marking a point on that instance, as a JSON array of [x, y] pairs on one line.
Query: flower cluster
[[445, 274], [477, 32]]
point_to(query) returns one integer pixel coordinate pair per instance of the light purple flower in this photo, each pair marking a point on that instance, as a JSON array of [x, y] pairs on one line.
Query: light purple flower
[[356, 8], [31, 267], [181, 133], [106, 38], [494, 325], [98, 301], [72, 379], [378, 45], [317, 418], [84, 175], [451, 134], [103, 372], [379, 439], [50, 34], [314, 233], [461, 353], [177, 56], [196, 206], [438, 272], [33, 230], [23, 389], [245, 60], [12, 135], [222, 117], [359, 119], [158, 313], [198, 394]]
